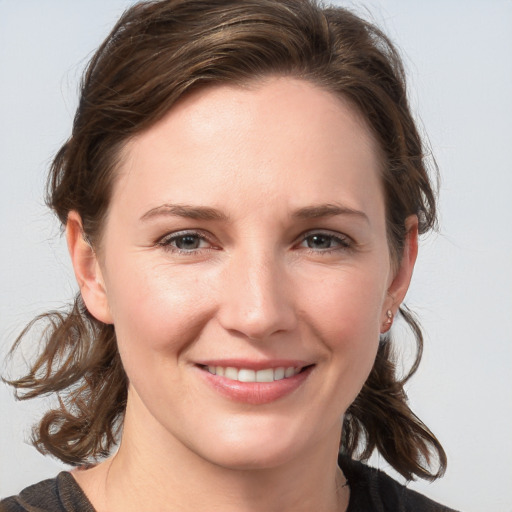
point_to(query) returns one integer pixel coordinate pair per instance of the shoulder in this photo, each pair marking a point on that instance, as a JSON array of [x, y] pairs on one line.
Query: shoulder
[[374, 490], [60, 494]]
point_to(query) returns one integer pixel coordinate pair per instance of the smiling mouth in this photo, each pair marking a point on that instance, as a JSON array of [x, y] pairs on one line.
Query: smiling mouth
[[248, 375]]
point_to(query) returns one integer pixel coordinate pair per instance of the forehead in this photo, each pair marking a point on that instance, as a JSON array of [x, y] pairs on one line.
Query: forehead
[[281, 138]]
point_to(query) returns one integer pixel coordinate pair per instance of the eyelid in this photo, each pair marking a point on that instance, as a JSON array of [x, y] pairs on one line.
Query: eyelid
[[166, 241], [345, 241]]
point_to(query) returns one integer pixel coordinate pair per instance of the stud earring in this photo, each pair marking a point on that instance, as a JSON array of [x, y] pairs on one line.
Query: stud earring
[[389, 321]]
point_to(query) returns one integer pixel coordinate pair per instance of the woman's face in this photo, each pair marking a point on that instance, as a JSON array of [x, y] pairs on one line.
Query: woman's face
[[247, 273]]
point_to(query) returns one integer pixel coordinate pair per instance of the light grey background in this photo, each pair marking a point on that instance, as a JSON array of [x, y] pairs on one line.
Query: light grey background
[[459, 59]]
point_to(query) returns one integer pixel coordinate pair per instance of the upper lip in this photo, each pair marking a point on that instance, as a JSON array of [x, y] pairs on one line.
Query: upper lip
[[253, 364]]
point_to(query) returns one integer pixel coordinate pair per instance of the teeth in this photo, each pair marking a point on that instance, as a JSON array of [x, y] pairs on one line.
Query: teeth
[[246, 375], [265, 375], [231, 373], [289, 372]]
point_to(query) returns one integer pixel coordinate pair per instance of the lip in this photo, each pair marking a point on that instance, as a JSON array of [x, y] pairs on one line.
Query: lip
[[254, 365], [254, 393]]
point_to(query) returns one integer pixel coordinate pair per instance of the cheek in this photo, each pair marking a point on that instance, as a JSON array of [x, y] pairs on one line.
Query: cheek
[[347, 304], [156, 309], [346, 314]]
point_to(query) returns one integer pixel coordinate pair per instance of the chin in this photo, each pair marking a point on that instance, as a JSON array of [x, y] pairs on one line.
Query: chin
[[245, 459], [256, 448]]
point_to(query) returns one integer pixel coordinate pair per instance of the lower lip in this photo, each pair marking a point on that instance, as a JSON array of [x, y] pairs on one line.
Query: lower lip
[[255, 393]]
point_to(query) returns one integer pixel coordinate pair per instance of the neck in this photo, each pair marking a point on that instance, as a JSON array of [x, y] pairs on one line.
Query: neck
[[154, 471]]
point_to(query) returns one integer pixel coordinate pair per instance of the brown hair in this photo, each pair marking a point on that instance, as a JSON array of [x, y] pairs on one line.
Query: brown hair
[[157, 52]]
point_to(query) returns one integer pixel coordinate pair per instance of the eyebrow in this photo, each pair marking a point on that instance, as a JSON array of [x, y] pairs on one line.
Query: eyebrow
[[186, 211], [328, 210], [207, 213]]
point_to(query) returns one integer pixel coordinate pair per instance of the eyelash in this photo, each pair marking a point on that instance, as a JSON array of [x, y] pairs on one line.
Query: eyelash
[[167, 242], [342, 242]]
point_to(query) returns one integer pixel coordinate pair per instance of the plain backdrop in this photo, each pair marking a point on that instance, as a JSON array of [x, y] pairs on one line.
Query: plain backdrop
[[458, 55]]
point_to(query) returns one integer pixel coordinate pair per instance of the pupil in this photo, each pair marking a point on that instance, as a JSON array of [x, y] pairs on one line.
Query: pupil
[[187, 242], [320, 242]]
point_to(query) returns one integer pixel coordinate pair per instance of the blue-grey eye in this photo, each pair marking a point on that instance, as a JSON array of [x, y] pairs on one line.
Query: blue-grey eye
[[324, 241], [319, 241], [187, 242]]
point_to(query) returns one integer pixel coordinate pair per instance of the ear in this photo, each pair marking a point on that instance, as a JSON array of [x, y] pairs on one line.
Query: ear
[[87, 270], [402, 276]]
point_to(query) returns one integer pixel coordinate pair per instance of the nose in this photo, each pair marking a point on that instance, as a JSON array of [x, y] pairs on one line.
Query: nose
[[256, 298]]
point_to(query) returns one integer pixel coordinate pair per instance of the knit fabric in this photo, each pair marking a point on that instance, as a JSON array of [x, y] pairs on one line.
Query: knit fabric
[[371, 490]]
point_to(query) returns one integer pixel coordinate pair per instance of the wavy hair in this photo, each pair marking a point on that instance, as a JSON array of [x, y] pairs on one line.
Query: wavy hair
[[156, 53]]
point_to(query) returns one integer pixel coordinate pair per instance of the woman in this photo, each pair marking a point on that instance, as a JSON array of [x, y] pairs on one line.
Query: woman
[[242, 194]]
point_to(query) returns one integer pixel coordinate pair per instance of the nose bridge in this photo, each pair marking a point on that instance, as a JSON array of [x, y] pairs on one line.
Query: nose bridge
[[256, 300]]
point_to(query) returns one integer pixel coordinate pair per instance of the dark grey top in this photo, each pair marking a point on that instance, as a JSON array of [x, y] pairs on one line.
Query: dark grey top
[[60, 494], [370, 491]]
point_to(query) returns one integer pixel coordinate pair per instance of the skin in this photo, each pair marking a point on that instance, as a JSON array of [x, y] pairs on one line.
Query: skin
[[274, 274]]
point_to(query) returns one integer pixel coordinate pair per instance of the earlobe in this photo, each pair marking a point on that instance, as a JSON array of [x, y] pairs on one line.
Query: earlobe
[[386, 325], [402, 277], [87, 270]]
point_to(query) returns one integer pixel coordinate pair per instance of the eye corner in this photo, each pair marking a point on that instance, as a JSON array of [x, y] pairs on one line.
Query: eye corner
[[187, 242], [326, 241]]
